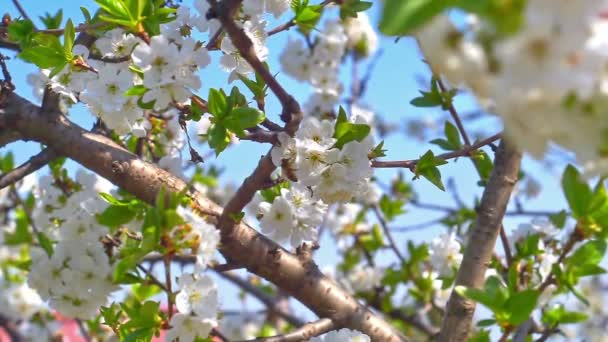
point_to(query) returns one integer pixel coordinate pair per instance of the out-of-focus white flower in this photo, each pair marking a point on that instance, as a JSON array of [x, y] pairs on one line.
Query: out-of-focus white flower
[[198, 295], [188, 328], [361, 35], [444, 252], [342, 335]]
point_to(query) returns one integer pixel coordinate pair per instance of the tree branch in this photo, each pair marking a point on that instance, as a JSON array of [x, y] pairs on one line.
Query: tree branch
[[269, 301], [304, 333], [482, 240], [411, 164], [11, 329], [240, 244], [32, 165], [291, 109]]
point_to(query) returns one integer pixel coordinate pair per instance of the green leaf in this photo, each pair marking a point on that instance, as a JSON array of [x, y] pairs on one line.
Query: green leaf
[[403, 17], [528, 247], [378, 151], [115, 216], [86, 14], [113, 200], [391, 208], [68, 39], [591, 253], [577, 192], [506, 17], [242, 118], [428, 99], [20, 31], [111, 315], [45, 51], [486, 322], [427, 168], [351, 7], [520, 306], [45, 243], [22, 232], [217, 104], [493, 295], [559, 219], [258, 89], [372, 241], [308, 17], [136, 90], [483, 165], [453, 136], [7, 163], [52, 21], [118, 12], [218, 138], [345, 132], [559, 315]]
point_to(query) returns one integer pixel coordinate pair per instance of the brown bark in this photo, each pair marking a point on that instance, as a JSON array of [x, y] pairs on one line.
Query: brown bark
[[478, 252], [240, 243]]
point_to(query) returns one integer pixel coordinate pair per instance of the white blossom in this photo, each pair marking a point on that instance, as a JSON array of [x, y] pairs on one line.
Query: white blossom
[[445, 255], [342, 335], [187, 328], [198, 295]]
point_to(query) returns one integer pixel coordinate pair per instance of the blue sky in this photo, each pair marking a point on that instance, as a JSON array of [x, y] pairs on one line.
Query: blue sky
[[393, 84]]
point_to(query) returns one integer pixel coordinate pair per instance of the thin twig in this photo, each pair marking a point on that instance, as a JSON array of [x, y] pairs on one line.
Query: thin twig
[[78, 28], [269, 301], [411, 164], [32, 165], [22, 11], [168, 289], [225, 11], [304, 333], [416, 226], [26, 210], [505, 245], [152, 278], [83, 330], [455, 115], [388, 234]]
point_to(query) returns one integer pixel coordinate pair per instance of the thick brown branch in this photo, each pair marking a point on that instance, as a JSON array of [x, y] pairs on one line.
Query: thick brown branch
[[304, 333], [482, 239], [241, 244], [30, 166]]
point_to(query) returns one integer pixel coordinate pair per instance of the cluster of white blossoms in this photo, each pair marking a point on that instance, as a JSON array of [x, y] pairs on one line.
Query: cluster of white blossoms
[[361, 278], [77, 278], [445, 255], [294, 215], [197, 304], [341, 221], [333, 174], [342, 335], [18, 301], [548, 82], [170, 69], [321, 174], [202, 237], [318, 66], [546, 232], [197, 301], [255, 27], [241, 326]]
